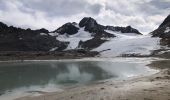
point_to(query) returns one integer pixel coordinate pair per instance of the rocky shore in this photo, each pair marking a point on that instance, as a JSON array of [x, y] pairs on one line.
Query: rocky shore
[[70, 54]]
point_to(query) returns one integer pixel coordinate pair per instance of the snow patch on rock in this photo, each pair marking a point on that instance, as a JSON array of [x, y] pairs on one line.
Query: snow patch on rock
[[43, 34], [53, 49], [53, 34], [167, 30]]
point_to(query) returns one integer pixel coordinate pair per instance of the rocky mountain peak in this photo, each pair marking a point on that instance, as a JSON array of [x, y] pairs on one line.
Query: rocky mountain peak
[[90, 24], [166, 21], [163, 31], [87, 21]]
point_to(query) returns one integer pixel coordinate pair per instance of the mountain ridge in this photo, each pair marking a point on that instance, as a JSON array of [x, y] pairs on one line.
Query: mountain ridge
[[41, 40], [87, 37]]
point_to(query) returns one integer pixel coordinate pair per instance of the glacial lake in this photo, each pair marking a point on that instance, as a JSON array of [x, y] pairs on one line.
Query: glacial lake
[[29, 78]]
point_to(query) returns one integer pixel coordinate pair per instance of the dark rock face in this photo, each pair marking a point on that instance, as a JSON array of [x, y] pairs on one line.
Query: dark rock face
[[90, 24], [68, 28], [91, 44], [161, 30], [165, 22], [127, 29], [42, 30], [3, 26], [93, 27], [17, 39]]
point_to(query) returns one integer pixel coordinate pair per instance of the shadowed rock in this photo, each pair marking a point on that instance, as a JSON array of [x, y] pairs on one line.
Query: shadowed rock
[[163, 31], [17, 39], [127, 29], [91, 44], [165, 22], [93, 27], [68, 28]]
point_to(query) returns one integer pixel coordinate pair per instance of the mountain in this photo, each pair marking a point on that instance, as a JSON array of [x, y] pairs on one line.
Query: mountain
[[163, 31], [83, 37], [90, 25], [88, 33], [109, 41], [17, 39]]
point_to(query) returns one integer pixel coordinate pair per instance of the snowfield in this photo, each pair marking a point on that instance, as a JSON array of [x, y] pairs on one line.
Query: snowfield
[[75, 39], [123, 43], [128, 43]]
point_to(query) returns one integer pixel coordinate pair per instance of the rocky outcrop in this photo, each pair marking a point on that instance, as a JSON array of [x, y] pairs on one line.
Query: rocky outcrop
[[42, 30], [127, 29], [91, 44], [68, 28], [17, 39], [90, 24], [163, 31], [97, 30], [165, 22]]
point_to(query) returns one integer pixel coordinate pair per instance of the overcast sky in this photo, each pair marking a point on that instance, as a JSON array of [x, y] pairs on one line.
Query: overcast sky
[[145, 15]]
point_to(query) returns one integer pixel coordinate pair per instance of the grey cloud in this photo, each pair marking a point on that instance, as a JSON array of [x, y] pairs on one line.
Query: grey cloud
[[145, 15], [62, 7], [2, 5], [160, 4], [155, 7]]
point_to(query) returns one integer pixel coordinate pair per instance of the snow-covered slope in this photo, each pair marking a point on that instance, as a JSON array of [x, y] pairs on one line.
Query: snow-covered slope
[[128, 44], [123, 43], [75, 39], [109, 41]]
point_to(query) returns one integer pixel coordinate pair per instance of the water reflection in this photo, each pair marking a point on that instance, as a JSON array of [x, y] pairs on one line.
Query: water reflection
[[28, 74], [21, 75]]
